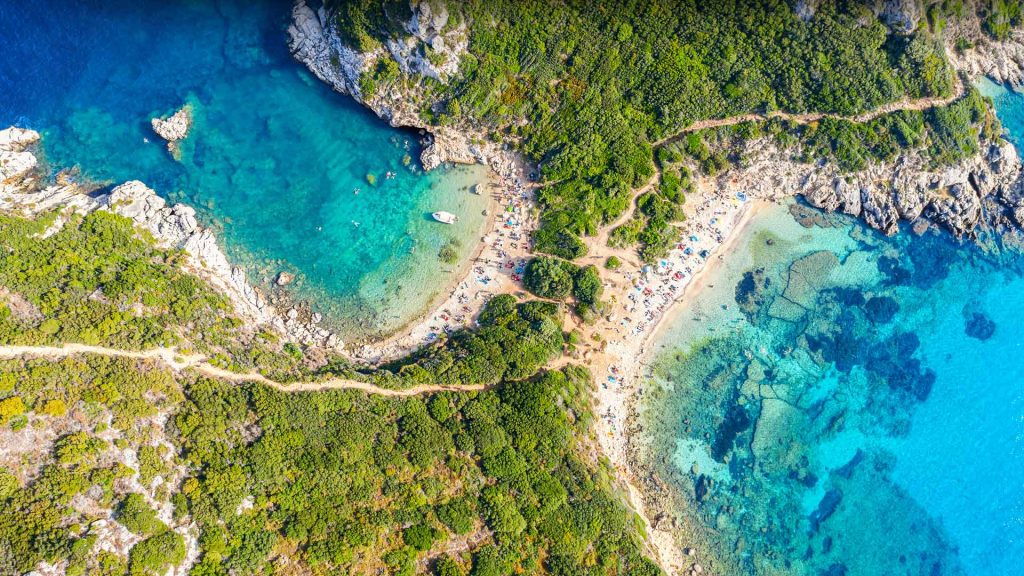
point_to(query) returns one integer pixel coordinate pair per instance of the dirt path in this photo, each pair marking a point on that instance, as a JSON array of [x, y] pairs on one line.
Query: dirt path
[[896, 106], [199, 363]]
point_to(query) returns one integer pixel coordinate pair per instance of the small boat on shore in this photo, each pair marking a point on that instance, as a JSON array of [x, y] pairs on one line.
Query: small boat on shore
[[445, 217], [475, 189]]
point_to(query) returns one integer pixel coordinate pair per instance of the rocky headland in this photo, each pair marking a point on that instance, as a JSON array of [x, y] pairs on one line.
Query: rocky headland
[[25, 189], [315, 42], [983, 193]]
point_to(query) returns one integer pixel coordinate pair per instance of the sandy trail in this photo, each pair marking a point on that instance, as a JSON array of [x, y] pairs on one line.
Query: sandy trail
[[199, 363], [917, 104]]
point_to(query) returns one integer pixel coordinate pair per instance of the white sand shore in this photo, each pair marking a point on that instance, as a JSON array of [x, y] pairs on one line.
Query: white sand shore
[[495, 268], [644, 299]]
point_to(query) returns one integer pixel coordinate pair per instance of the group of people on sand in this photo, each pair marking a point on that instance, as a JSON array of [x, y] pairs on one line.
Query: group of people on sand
[[505, 254], [655, 287]]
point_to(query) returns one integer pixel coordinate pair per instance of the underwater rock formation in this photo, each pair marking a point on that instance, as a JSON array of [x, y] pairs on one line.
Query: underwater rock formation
[[978, 325]]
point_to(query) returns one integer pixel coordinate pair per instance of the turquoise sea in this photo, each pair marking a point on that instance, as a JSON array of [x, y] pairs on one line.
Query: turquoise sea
[[842, 403], [277, 163]]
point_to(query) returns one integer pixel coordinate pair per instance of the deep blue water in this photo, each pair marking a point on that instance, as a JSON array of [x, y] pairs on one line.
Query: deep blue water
[[274, 161], [843, 403]]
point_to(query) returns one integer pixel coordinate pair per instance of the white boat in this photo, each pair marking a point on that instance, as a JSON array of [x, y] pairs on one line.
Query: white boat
[[445, 217], [475, 189]]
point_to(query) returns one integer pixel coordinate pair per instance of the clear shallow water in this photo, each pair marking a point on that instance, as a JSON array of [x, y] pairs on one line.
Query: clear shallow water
[[843, 403], [274, 159]]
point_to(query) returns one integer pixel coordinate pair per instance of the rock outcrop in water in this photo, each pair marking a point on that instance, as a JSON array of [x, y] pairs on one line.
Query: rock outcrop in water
[[174, 129], [171, 226]]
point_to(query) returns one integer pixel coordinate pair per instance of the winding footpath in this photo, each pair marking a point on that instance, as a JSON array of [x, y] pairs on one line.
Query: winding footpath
[[596, 244], [903, 104], [198, 362]]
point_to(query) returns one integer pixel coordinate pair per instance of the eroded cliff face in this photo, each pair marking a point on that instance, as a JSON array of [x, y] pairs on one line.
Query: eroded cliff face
[[24, 190], [315, 41]]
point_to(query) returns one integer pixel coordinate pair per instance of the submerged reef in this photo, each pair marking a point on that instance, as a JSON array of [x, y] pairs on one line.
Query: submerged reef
[[760, 427]]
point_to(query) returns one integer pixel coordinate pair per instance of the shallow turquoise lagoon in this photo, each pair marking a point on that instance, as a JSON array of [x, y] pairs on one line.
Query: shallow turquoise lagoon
[[277, 163], [842, 403]]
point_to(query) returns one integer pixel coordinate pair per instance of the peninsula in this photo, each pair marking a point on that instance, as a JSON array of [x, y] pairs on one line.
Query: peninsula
[[164, 412]]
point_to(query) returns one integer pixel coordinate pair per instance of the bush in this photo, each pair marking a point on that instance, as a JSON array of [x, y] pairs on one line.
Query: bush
[[587, 286], [153, 556], [136, 515], [421, 536], [458, 515], [549, 277], [11, 407]]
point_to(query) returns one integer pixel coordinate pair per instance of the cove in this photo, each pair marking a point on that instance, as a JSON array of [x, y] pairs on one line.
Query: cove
[[292, 176], [843, 403]]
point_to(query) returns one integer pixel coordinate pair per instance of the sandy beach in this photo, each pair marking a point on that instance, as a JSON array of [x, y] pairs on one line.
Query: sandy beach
[[642, 298], [495, 267], [644, 302]]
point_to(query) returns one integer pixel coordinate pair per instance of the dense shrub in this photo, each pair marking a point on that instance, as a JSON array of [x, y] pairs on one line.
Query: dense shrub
[[585, 88]]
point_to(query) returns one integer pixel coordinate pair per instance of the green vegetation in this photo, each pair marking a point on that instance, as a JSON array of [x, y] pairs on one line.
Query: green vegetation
[[943, 135], [556, 279], [37, 521], [98, 281], [512, 342], [136, 515], [652, 225], [154, 555], [585, 89], [331, 482], [1000, 16]]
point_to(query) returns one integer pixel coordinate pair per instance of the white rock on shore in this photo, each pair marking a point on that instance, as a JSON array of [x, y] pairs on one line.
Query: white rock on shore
[[956, 198], [16, 162]]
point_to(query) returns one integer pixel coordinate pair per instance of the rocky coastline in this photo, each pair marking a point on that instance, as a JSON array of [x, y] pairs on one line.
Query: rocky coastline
[[984, 193], [24, 189], [315, 42], [978, 197]]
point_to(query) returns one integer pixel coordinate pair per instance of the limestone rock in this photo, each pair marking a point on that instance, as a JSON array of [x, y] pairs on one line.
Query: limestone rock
[[986, 189], [1002, 61], [284, 278], [16, 163], [805, 9], [17, 139], [901, 16], [176, 127], [324, 54]]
